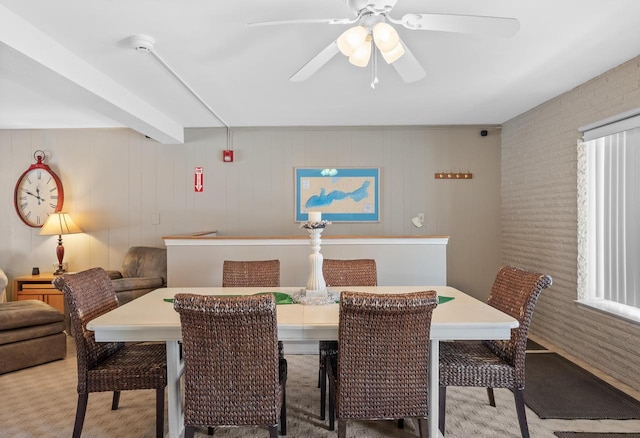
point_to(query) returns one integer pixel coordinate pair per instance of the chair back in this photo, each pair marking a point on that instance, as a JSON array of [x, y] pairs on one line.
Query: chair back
[[383, 359], [356, 272], [515, 292], [88, 294], [253, 273], [230, 348]]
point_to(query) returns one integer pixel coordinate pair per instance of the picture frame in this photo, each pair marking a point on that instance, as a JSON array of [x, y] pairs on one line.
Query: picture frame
[[341, 194]]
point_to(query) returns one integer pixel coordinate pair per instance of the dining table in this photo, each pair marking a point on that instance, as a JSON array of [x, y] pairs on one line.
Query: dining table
[[152, 317]]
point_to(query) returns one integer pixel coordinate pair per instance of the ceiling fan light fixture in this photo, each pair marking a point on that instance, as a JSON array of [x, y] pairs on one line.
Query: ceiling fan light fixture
[[393, 55], [385, 37], [360, 58], [352, 39]]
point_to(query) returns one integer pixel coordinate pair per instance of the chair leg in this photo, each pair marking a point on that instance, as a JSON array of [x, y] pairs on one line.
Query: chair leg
[[323, 393], [116, 400], [273, 431], [81, 410], [332, 408], [160, 413], [492, 400], [283, 412], [442, 408], [522, 414], [423, 427], [342, 428], [400, 423], [210, 430], [189, 431]]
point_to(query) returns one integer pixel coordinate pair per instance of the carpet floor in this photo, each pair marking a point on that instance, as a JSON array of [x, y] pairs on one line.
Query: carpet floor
[[40, 402]]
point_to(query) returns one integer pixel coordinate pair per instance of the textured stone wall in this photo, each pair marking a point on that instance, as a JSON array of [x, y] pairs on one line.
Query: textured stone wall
[[540, 217]]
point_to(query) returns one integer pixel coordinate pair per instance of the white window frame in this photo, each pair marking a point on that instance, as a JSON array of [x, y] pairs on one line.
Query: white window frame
[[593, 277]]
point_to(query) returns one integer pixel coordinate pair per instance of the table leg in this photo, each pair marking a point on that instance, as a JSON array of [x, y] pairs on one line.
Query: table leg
[[434, 387], [174, 399]]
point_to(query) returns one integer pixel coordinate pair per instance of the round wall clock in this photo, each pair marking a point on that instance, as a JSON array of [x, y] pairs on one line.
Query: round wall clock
[[38, 193]]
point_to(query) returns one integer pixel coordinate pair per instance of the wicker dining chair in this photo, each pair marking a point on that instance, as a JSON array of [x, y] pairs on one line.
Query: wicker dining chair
[[382, 367], [233, 374], [251, 273], [108, 366], [496, 363], [355, 272]]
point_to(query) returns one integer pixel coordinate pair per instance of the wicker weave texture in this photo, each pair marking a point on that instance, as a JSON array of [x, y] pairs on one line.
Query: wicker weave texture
[[107, 366], [383, 359], [251, 273], [356, 272], [233, 375], [495, 363]]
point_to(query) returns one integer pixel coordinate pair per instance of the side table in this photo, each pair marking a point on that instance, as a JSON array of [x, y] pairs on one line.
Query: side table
[[39, 287]]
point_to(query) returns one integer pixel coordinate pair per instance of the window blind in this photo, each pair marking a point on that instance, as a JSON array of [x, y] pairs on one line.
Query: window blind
[[613, 164]]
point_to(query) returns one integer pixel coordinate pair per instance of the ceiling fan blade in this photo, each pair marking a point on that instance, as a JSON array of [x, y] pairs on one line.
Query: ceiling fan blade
[[305, 21], [408, 66], [476, 24], [315, 63]]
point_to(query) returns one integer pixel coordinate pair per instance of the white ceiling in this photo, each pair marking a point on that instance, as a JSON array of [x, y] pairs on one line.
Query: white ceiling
[[68, 63]]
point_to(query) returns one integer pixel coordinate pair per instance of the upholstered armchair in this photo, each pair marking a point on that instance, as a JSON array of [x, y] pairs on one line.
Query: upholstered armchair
[[143, 270]]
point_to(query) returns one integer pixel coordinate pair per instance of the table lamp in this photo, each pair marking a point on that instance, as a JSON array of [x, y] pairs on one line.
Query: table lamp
[[59, 223]]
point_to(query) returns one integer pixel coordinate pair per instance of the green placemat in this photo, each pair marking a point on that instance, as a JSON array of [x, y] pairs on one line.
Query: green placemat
[[281, 298], [441, 299]]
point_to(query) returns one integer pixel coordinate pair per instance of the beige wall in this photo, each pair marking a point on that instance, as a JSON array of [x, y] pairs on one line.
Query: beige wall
[[539, 217], [116, 180]]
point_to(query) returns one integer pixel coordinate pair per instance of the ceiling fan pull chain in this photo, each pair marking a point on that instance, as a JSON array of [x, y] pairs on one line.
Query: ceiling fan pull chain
[[374, 69]]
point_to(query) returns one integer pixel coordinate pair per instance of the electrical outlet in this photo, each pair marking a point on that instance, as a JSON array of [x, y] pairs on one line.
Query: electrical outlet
[[421, 217]]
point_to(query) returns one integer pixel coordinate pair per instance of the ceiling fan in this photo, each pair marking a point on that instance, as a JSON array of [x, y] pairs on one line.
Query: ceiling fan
[[373, 32]]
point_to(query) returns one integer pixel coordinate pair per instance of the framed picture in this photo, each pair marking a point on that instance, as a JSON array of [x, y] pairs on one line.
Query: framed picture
[[342, 194]]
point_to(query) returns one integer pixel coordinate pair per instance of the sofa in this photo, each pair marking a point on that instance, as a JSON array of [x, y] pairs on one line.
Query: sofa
[[144, 269], [31, 333]]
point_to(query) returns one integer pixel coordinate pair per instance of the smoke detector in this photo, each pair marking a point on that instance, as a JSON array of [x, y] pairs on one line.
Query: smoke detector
[[142, 43]]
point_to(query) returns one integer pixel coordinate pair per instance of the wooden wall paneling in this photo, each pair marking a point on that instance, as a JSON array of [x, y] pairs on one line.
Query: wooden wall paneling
[[393, 181], [165, 213], [25, 240], [7, 185], [232, 196]]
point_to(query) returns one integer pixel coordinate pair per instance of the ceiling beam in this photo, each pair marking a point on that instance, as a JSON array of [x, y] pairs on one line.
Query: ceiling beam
[[44, 64]]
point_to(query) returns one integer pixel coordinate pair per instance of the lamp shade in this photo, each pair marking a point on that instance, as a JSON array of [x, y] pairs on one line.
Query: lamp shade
[[385, 37], [360, 57], [59, 223], [394, 54], [351, 39]]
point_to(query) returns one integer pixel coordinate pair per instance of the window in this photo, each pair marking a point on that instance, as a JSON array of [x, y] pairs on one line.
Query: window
[[610, 251]]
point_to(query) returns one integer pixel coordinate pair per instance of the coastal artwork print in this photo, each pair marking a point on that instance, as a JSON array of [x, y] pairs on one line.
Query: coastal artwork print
[[350, 194]]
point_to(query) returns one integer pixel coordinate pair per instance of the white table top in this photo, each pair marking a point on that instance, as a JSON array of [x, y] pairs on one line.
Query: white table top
[[150, 318]]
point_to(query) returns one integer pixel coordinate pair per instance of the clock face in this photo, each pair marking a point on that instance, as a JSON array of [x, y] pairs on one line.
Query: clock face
[[38, 194]]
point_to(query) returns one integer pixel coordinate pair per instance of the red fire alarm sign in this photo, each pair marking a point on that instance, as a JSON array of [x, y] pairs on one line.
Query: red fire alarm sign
[[198, 179], [227, 156]]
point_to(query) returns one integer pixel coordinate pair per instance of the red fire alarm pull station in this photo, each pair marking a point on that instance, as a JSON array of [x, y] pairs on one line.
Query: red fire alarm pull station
[[227, 156]]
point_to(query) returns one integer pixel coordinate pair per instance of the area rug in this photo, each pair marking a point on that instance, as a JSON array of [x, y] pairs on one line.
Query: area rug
[[557, 388], [595, 435]]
